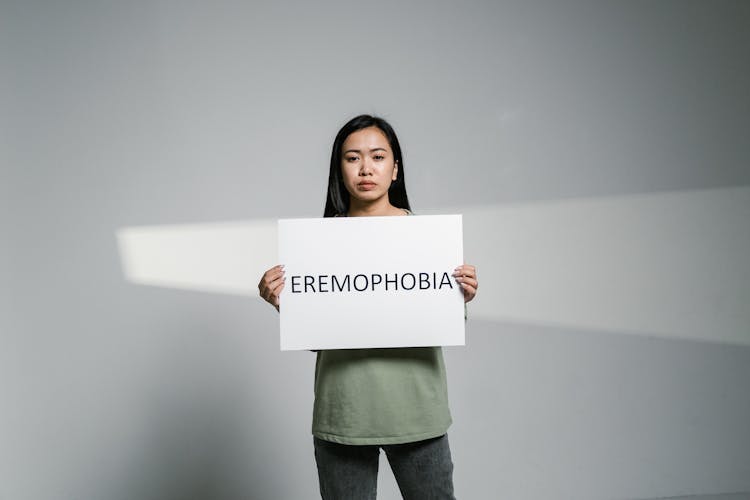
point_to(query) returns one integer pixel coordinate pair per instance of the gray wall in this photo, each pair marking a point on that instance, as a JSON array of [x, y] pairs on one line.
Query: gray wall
[[144, 113]]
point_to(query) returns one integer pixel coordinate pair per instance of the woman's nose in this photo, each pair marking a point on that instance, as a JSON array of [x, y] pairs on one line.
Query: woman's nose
[[365, 167]]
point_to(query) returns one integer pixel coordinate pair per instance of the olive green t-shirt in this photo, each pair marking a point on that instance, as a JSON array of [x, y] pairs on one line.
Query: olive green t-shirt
[[380, 396]]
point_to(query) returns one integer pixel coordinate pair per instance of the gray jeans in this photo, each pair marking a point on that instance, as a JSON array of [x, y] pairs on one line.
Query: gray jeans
[[423, 469]]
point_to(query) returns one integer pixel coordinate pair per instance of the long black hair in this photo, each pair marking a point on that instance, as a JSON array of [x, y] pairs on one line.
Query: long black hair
[[337, 201]]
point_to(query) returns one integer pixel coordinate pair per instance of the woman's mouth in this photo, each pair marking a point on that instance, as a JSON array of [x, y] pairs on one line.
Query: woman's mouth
[[366, 185]]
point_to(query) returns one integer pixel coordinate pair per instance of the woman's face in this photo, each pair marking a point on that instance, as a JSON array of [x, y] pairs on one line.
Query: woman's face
[[367, 164]]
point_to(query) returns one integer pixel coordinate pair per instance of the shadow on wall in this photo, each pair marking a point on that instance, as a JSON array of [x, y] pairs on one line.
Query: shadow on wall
[[598, 415]]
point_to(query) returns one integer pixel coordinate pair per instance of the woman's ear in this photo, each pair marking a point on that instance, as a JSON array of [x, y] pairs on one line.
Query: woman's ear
[[395, 171]]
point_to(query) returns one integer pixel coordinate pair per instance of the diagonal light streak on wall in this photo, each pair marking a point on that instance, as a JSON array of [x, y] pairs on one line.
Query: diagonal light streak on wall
[[227, 257], [673, 264]]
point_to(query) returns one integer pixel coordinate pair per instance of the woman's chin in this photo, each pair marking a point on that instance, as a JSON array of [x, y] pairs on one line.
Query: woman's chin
[[367, 196]]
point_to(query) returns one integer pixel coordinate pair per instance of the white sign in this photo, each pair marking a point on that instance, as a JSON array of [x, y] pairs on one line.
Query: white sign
[[361, 282]]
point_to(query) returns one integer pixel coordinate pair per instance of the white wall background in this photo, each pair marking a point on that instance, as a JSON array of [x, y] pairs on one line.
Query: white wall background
[[143, 113]]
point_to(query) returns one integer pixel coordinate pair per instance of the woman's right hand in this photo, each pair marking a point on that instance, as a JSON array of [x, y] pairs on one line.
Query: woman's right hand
[[271, 285]]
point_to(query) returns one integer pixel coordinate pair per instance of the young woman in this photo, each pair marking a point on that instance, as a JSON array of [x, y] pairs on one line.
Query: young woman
[[368, 399]]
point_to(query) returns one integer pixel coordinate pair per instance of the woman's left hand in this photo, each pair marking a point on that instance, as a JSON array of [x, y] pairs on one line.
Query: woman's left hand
[[466, 275]]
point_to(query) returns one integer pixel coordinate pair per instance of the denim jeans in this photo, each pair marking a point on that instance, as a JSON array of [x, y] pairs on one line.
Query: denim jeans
[[423, 469]]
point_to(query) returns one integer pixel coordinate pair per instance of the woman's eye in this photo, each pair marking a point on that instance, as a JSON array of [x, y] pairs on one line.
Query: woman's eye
[[351, 159], [379, 157]]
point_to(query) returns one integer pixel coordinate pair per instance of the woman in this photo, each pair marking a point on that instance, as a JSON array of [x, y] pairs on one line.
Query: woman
[[368, 399]]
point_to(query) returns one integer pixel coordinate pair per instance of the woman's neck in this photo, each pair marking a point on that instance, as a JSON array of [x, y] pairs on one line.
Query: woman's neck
[[381, 207]]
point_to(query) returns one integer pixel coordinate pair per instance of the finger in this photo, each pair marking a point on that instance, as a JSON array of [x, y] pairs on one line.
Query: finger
[[273, 274], [470, 271], [267, 290], [468, 281], [270, 279], [465, 270], [274, 281], [276, 291], [274, 270]]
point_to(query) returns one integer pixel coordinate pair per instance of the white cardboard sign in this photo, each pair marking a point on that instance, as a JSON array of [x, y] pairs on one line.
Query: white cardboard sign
[[363, 282]]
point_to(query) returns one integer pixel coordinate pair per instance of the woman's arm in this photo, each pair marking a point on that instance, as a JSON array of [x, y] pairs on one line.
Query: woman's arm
[[466, 275], [271, 285]]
